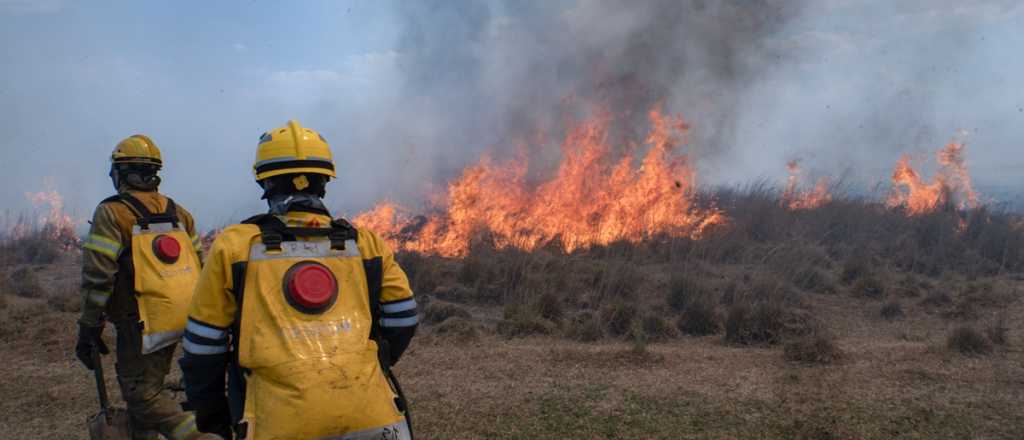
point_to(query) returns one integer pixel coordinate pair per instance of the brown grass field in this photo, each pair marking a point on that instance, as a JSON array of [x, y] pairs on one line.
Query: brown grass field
[[850, 321]]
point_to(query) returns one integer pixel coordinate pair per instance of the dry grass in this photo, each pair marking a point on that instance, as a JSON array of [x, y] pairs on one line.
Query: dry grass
[[892, 311], [438, 311], [969, 341], [817, 347], [589, 344], [25, 283]]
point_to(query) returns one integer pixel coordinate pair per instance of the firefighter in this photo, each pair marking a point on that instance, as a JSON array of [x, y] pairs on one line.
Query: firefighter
[[303, 316], [140, 264]]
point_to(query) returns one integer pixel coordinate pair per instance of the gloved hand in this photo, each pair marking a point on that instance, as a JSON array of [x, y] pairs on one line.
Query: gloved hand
[[214, 419], [89, 337]]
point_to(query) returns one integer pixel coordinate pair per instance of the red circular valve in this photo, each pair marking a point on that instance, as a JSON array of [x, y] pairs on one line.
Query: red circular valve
[[166, 248], [310, 287]]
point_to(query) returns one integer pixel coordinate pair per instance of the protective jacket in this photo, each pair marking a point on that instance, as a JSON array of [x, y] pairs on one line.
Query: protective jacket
[[108, 282], [306, 315]]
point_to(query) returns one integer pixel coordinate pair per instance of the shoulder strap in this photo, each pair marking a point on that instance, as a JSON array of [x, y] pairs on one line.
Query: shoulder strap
[[144, 217], [374, 283], [273, 231]]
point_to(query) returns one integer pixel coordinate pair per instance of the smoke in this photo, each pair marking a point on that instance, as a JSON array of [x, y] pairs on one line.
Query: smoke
[[496, 74], [844, 86]]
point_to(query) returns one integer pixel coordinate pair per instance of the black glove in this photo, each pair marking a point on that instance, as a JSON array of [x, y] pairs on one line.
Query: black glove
[[214, 418], [90, 337]]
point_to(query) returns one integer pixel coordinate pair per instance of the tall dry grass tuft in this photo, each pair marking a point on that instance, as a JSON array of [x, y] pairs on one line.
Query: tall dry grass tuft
[[969, 341]]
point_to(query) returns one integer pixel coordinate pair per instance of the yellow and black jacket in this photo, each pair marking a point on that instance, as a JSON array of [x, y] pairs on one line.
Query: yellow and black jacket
[[305, 315], [107, 276]]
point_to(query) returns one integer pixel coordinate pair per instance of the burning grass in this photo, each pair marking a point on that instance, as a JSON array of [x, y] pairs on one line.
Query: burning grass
[[597, 196]]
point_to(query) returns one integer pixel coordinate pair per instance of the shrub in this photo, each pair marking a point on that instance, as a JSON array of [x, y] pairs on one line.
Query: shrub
[[818, 347], [424, 272], [682, 288], [65, 303], [855, 267], [700, 317], [891, 311], [440, 311], [760, 323], [969, 341], [963, 309], [869, 287], [36, 248], [657, 328], [520, 322], [618, 282], [458, 328], [585, 327], [24, 282], [997, 332], [522, 325], [549, 306], [814, 280], [937, 298], [619, 318]]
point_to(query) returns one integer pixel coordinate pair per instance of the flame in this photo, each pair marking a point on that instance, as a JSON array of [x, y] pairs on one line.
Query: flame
[[56, 225], [595, 197], [951, 183], [795, 199]]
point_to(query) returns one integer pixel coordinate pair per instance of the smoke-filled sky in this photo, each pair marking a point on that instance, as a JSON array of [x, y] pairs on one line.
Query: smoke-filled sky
[[408, 93]]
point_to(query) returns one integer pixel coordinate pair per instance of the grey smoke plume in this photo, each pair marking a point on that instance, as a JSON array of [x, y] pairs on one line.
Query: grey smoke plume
[[844, 86], [487, 73]]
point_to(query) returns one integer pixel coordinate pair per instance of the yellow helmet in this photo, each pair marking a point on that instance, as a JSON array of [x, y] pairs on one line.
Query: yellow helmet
[[137, 148], [292, 149]]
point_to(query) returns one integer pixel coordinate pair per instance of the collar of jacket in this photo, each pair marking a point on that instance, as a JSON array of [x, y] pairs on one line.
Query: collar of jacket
[[302, 219]]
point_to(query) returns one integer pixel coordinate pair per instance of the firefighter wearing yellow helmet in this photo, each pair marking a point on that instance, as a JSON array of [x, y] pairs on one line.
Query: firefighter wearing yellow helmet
[[140, 264], [304, 315]]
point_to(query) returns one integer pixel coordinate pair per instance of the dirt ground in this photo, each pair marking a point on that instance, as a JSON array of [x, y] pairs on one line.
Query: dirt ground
[[896, 380]]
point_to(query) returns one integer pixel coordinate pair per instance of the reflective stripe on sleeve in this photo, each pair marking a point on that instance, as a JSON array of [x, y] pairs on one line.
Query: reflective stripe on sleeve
[[203, 349], [103, 245], [185, 429], [399, 306], [207, 331], [98, 297], [197, 242], [399, 322]]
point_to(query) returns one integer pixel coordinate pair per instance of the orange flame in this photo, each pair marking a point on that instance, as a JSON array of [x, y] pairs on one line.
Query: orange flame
[[594, 198], [56, 224], [795, 199], [952, 181]]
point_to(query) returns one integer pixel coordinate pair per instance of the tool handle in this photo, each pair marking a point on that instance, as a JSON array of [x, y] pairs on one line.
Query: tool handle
[[101, 383]]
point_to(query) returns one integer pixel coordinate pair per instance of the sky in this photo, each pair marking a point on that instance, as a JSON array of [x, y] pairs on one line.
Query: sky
[[408, 93]]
